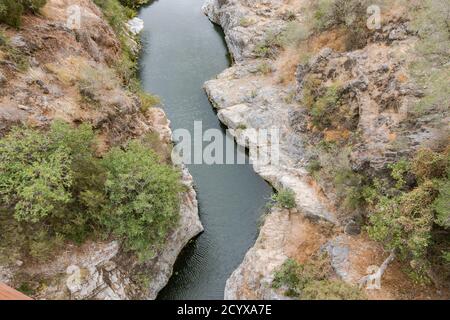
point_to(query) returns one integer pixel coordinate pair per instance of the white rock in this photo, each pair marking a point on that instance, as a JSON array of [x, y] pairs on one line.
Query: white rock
[[135, 25]]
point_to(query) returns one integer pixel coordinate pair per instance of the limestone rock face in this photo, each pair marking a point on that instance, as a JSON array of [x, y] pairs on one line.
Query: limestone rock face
[[230, 13], [377, 97], [256, 271], [248, 101], [257, 93]]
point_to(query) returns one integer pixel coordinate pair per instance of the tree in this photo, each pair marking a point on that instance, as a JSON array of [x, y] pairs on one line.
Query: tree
[[405, 223], [142, 198]]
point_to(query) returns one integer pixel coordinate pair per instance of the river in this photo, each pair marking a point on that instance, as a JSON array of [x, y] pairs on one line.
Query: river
[[181, 50]]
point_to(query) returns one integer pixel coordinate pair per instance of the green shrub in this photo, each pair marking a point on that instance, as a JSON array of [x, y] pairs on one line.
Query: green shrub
[[293, 34], [285, 198], [310, 281], [40, 175], [11, 10], [117, 15], [270, 46], [354, 188], [322, 105], [314, 166], [53, 189], [429, 165], [398, 172], [35, 174], [446, 256], [142, 198], [405, 222], [11, 13], [288, 276]]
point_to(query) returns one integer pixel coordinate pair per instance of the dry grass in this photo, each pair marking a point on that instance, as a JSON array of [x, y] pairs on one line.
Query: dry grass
[[286, 65]]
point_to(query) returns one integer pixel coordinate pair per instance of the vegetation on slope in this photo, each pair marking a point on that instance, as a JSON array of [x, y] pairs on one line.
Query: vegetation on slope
[[54, 189], [414, 221], [407, 211], [117, 13], [311, 281], [54, 186]]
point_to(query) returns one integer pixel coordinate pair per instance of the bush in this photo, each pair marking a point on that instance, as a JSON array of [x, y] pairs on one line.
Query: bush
[[269, 47], [322, 109], [11, 13], [35, 174], [398, 172], [350, 14], [310, 281], [322, 103], [146, 99], [314, 166], [142, 198], [11, 10], [429, 165], [265, 68], [40, 175], [404, 221], [285, 199], [53, 189], [291, 35]]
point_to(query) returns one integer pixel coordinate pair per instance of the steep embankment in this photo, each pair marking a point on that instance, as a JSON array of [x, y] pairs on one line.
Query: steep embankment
[[59, 71], [269, 85]]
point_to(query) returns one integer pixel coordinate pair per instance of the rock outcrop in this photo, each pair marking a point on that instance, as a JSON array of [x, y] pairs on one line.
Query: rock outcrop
[[244, 99]]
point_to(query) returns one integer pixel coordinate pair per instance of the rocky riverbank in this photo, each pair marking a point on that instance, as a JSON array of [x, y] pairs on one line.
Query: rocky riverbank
[[265, 88], [59, 73]]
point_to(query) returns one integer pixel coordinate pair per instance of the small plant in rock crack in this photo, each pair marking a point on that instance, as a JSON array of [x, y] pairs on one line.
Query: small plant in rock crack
[[285, 199]]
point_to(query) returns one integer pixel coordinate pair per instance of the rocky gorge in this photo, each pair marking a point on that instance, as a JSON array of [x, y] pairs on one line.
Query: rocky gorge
[[357, 92]]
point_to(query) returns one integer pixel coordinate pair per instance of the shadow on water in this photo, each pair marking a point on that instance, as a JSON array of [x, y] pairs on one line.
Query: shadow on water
[[182, 50]]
